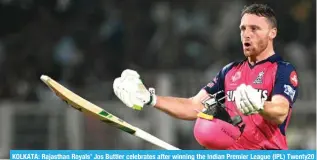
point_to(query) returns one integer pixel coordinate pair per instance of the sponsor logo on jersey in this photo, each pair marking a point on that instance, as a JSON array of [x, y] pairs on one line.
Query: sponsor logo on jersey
[[294, 79], [289, 91], [231, 95], [236, 76], [210, 84]]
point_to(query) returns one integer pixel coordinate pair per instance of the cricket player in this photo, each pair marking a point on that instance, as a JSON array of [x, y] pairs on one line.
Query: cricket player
[[262, 88]]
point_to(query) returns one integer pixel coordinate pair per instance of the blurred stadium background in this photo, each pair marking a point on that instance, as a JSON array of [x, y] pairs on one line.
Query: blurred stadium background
[[177, 46]]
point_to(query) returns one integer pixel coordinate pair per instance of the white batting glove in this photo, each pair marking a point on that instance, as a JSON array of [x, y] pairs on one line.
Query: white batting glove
[[248, 100], [130, 73], [132, 92]]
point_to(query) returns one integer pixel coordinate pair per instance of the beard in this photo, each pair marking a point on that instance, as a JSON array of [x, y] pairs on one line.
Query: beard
[[256, 48]]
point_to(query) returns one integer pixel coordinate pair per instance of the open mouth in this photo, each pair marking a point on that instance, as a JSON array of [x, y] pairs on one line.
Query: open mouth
[[247, 44]]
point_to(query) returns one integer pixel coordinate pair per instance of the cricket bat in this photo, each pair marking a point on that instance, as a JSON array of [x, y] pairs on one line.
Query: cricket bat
[[87, 107]]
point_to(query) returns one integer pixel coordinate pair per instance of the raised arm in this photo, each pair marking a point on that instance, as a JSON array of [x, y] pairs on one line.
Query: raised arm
[[131, 91]]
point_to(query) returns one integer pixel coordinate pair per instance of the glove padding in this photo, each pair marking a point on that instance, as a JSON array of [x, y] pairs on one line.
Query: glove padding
[[132, 92], [248, 100]]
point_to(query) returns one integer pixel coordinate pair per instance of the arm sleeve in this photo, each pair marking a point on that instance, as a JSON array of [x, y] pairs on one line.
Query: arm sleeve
[[286, 82], [217, 84]]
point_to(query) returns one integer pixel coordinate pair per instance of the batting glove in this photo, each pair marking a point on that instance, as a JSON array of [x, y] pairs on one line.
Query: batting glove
[[248, 100], [131, 91]]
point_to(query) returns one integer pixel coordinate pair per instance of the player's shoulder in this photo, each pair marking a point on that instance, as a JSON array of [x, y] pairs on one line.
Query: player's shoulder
[[284, 65], [233, 64], [229, 66], [287, 73]]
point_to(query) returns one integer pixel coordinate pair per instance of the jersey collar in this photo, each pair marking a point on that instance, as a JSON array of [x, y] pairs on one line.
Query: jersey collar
[[274, 58]]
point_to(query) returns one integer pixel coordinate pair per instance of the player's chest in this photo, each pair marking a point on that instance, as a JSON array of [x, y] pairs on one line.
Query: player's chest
[[261, 77]]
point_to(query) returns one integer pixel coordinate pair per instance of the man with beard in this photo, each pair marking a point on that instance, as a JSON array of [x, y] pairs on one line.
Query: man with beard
[[261, 89]]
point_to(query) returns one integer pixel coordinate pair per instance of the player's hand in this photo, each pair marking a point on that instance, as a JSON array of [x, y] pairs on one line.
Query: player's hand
[[132, 92], [248, 100]]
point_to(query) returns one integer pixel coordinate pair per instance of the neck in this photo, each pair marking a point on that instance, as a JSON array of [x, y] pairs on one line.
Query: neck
[[261, 56]]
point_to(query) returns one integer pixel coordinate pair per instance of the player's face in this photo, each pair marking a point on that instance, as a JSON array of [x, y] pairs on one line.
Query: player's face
[[256, 33]]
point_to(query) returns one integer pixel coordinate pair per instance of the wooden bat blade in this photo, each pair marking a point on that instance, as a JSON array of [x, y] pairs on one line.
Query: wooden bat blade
[[85, 106]]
